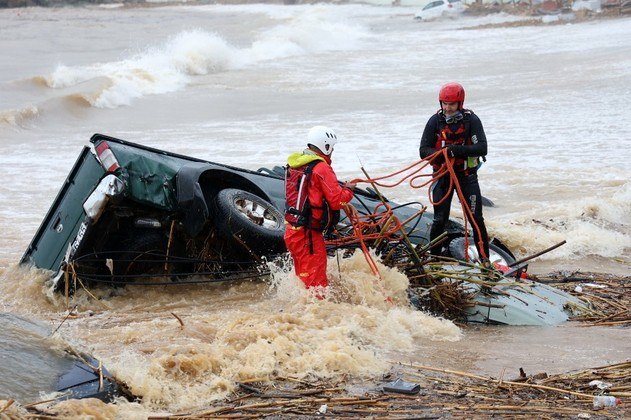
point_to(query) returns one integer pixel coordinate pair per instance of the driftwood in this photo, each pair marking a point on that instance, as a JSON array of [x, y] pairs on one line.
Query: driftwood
[[6, 406], [444, 393]]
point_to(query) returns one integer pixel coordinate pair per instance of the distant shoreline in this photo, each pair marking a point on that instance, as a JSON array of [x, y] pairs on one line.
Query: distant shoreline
[[533, 14], [10, 4]]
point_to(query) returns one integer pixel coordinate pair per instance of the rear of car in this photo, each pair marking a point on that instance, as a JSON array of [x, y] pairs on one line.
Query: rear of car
[[115, 193], [127, 212], [67, 221]]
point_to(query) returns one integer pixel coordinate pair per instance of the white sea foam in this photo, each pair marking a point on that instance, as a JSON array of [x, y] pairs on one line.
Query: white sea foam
[[170, 67], [310, 32], [590, 225], [157, 70]]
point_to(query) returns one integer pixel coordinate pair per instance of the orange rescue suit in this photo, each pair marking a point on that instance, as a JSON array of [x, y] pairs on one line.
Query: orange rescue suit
[[305, 244]]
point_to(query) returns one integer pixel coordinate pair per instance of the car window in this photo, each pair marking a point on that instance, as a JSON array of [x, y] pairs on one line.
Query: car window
[[453, 1], [433, 4]]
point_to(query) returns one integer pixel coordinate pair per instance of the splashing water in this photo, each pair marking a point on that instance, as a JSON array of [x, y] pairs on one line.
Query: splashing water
[[244, 331]]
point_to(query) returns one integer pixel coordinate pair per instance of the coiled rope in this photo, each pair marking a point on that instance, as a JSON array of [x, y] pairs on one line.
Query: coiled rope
[[382, 224]]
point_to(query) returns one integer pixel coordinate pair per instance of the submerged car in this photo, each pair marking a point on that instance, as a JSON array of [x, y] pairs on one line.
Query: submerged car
[[440, 8], [30, 346], [131, 214]]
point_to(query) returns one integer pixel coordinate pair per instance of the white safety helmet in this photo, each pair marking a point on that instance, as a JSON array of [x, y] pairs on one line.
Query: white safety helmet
[[323, 138]]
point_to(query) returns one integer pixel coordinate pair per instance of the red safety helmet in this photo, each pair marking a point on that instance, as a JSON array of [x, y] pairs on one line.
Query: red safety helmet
[[451, 92]]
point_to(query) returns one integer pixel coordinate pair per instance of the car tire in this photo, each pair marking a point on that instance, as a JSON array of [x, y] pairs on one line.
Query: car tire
[[254, 221], [498, 255]]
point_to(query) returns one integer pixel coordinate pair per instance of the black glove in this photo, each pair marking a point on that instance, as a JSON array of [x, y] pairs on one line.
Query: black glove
[[455, 150]]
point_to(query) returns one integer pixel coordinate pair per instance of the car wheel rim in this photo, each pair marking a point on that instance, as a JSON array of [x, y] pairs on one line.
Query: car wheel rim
[[256, 213], [494, 257]]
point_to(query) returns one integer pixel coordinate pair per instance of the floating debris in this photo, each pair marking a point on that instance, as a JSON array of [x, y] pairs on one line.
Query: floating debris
[[442, 391], [608, 295]]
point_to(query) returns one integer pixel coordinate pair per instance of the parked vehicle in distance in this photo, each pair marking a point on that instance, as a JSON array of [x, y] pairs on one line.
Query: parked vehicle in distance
[[131, 214], [440, 8]]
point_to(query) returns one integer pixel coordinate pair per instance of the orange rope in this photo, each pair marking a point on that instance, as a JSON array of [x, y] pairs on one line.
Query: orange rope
[[412, 173], [383, 224], [380, 224], [360, 226], [353, 216], [465, 206]]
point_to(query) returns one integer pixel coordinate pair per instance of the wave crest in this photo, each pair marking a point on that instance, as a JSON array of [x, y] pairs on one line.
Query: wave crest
[[18, 117], [599, 226], [170, 67]]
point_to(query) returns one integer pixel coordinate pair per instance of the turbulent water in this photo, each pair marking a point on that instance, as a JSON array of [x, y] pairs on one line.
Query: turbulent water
[[242, 85]]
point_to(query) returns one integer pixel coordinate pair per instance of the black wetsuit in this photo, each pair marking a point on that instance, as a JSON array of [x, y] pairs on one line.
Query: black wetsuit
[[475, 146]]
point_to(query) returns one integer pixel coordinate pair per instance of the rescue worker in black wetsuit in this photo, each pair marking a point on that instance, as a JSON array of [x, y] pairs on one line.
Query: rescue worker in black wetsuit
[[461, 132]]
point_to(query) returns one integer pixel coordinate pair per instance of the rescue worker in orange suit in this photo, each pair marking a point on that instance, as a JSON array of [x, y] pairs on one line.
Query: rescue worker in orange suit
[[461, 132], [313, 194]]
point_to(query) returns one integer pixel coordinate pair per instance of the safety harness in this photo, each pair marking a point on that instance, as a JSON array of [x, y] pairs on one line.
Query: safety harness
[[457, 133], [298, 208]]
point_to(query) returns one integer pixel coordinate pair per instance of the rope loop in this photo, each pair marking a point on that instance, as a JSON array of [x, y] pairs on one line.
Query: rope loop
[[375, 223]]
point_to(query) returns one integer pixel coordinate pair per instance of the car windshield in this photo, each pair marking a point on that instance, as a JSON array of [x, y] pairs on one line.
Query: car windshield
[[433, 4]]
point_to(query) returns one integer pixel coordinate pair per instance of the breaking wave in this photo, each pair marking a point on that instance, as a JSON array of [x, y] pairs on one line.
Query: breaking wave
[[591, 226], [19, 117], [170, 67]]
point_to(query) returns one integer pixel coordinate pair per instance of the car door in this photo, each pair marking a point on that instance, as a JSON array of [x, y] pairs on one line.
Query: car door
[[64, 220], [434, 9]]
